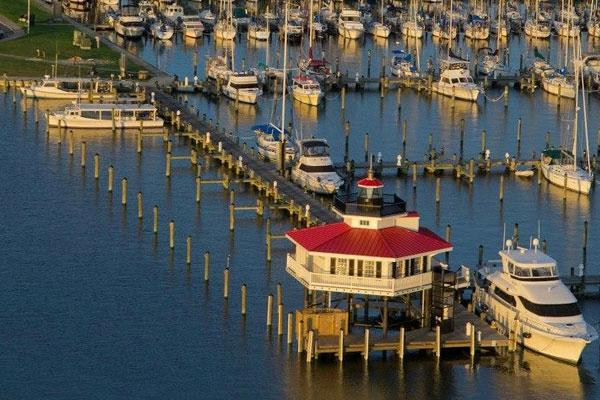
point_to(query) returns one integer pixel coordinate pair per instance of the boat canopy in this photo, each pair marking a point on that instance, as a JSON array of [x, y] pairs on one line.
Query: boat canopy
[[270, 129], [403, 55]]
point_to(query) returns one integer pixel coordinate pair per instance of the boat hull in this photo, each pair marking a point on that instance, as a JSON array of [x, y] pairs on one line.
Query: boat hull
[[567, 91], [87, 123], [243, 96], [350, 33], [312, 184], [456, 91], [312, 99], [554, 176], [42, 93]]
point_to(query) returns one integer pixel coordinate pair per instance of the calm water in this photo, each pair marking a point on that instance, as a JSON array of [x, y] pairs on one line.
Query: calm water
[[95, 306]]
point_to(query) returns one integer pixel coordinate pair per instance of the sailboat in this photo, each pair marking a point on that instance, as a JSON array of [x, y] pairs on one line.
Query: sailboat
[[561, 166], [224, 28], [492, 64], [567, 26], [535, 27], [478, 25], [270, 139], [443, 29], [559, 83], [317, 68], [500, 26], [413, 28], [593, 24], [379, 29]]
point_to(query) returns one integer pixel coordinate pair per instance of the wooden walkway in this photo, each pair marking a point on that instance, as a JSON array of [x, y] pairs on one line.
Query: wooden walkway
[[289, 194], [419, 339]]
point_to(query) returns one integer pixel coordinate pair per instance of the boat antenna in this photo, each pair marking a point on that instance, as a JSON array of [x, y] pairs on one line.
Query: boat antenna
[[503, 235]]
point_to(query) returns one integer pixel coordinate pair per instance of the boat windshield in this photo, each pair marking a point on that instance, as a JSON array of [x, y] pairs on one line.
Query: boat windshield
[[316, 149], [350, 19], [541, 271]]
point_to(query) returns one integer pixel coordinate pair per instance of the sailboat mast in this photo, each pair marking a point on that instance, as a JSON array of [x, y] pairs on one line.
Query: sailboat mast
[[285, 40], [310, 25], [575, 122], [450, 31], [585, 122]]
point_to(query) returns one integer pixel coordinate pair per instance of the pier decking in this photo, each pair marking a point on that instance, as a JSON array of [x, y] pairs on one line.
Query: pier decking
[[418, 339]]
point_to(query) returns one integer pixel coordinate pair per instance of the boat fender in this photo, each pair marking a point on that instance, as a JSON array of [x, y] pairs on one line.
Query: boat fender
[[527, 335]]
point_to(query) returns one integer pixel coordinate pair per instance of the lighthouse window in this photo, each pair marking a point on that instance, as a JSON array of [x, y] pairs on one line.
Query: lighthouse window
[[332, 265], [341, 266], [378, 269], [369, 269], [359, 268], [364, 222], [351, 267], [551, 310]]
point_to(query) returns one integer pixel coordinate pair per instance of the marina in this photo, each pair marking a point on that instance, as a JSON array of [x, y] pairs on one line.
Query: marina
[[188, 214]]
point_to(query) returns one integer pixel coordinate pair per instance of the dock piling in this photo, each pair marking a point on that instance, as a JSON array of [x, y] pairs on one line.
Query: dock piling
[[71, 142], [290, 329], [280, 320], [140, 206], [401, 344], [188, 250], [96, 166], [366, 350], [244, 295], [226, 284], [124, 192], [171, 234], [155, 219], [83, 154], [269, 311], [206, 265], [341, 346], [111, 178], [501, 195]]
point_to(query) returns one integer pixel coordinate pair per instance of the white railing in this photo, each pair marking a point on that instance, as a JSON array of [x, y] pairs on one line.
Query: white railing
[[357, 284]]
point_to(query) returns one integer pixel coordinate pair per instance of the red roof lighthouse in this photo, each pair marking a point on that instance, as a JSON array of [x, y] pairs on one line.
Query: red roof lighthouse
[[378, 249]]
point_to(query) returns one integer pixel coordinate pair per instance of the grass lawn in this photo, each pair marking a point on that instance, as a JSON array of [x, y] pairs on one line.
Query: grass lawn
[[13, 9], [51, 39]]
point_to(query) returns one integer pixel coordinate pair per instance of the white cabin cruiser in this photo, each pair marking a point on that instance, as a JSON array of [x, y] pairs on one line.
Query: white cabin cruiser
[[174, 13], [130, 26], [456, 81], [103, 116], [268, 138], [349, 25], [243, 87], [217, 67], [537, 29], [192, 26], [71, 88], [524, 294], [162, 31], [314, 169], [306, 90], [258, 31], [559, 84]]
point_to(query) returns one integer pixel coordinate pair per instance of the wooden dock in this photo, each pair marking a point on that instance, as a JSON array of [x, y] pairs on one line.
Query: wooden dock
[[485, 337], [260, 173]]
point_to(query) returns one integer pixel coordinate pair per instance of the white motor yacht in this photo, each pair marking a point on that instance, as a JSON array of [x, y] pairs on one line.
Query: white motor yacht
[[71, 88], [456, 81], [130, 26], [306, 90], [314, 169], [243, 87], [174, 13], [523, 293], [105, 116], [349, 25], [192, 26]]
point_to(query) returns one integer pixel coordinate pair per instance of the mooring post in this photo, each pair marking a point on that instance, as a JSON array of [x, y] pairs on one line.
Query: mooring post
[[140, 206], [585, 241], [310, 346], [231, 210], [268, 229], [343, 101], [565, 181], [171, 234], [300, 336], [437, 190], [244, 295], [280, 320], [501, 195], [480, 256], [366, 147], [290, 329], [414, 176], [168, 165], [111, 178], [401, 345], [226, 284], [438, 342], [341, 346], [472, 341], [124, 191], [269, 311], [519, 127], [483, 143], [71, 143], [96, 166], [547, 139], [505, 96], [206, 265], [346, 141], [404, 127], [279, 294], [83, 154], [138, 141], [462, 139], [366, 345], [188, 250], [198, 188]]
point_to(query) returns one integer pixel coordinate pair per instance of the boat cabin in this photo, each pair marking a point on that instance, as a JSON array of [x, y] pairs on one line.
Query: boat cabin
[[243, 80], [379, 248], [528, 264], [144, 112], [305, 83]]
